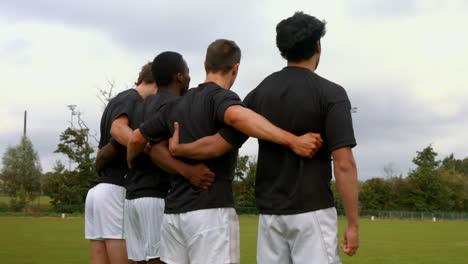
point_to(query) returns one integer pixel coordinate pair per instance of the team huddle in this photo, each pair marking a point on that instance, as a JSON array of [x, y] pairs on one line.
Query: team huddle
[[167, 156]]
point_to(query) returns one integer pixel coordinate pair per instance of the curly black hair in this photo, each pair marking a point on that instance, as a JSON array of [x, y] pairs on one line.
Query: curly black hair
[[296, 36], [165, 66]]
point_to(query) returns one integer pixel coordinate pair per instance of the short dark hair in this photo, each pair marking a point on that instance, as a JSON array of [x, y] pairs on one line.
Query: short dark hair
[[222, 55], [166, 65], [297, 36], [145, 75]]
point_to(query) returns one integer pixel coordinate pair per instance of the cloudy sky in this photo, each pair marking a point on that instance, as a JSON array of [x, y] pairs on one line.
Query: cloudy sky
[[403, 63]]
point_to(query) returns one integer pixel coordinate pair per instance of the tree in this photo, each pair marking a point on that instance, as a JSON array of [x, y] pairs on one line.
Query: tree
[[453, 183], [244, 185], [375, 194], [66, 187], [20, 173], [399, 193], [428, 192]]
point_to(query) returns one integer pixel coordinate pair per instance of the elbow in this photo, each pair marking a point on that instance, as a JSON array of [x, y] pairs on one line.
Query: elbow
[[213, 153], [137, 138], [234, 116], [234, 121], [345, 166], [113, 131]]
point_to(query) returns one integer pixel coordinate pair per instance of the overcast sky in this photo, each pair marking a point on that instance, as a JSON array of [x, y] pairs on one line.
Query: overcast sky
[[403, 63]]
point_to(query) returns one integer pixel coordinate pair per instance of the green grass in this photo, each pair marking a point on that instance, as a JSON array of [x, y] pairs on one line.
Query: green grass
[[25, 240]]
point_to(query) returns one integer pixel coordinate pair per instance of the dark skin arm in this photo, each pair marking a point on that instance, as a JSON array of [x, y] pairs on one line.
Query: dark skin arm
[[198, 175], [105, 156]]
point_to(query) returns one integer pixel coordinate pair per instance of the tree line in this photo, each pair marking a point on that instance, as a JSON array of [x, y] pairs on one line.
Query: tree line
[[433, 185]]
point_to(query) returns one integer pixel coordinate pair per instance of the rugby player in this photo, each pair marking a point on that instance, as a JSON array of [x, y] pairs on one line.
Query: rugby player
[[201, 226]]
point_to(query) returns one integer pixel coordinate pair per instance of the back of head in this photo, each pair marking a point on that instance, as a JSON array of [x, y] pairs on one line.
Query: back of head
[[297, 36], [221, 56], [146, 75], [166, 66]]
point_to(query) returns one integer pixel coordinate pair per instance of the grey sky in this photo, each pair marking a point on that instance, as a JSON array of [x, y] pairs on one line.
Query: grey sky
[[403, 64]]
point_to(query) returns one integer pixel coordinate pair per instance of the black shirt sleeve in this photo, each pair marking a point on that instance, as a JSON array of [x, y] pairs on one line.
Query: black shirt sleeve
[[338, 122], [250, 99], [233, 136], [125, 106], [230, 134], [223, 99], [155, 129]]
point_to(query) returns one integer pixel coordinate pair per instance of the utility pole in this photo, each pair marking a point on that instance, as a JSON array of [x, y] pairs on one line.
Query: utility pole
[[72, 109], [25, 119]]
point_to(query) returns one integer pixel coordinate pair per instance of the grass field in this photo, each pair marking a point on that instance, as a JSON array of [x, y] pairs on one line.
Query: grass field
[[25, 240]]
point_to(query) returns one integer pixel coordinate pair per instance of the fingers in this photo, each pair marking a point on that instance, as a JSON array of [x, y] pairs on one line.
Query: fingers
[[202, 176], [348, 250], [351, 242], [174, 140], [175, 136], [176, 128]]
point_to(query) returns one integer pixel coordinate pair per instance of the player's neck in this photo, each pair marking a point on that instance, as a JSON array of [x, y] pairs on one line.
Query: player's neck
[[171, 88], [146, 89], [220, 79], [310, 64]]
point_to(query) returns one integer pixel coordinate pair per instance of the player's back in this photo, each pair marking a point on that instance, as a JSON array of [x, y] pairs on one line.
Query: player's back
[[200, 113], [299, 101], [146, 179], [121, 104]]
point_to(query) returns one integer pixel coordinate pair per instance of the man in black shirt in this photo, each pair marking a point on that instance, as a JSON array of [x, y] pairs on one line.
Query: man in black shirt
[[201, 226], [298, 222], [146, 184], [104, 201]]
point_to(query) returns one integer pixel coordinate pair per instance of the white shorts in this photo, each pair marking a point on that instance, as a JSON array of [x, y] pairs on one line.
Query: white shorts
[[308, 238], [142, 227], [104, 212], [200, 237]]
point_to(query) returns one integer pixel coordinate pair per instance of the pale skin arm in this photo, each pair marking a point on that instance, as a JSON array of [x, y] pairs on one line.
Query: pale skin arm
[[208, 147], [255, 125], [251, 124], [346, 182], [120, 130], [136, 145]]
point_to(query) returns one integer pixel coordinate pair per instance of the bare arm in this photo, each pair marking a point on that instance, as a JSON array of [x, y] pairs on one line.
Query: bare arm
[[346, 182], [255, 125], [120, 130], [198, 175], [205, 148], [105, 155], [136, 145]]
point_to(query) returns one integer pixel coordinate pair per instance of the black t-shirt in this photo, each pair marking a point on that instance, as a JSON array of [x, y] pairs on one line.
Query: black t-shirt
[[146, 179], [122, 104], [299, 101], [200, 113]]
